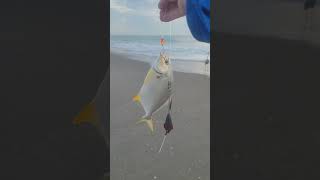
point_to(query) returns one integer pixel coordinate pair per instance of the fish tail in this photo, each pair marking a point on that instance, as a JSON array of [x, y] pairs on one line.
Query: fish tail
[[87, 115], [149, 122]]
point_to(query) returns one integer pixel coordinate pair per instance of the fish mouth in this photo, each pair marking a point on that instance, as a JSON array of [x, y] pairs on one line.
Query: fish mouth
[[162, 65]]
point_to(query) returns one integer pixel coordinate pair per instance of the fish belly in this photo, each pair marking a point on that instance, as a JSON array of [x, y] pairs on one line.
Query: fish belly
[[154, 95]]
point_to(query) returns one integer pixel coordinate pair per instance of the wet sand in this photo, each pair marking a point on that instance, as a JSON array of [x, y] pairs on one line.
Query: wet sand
[[134, 151]]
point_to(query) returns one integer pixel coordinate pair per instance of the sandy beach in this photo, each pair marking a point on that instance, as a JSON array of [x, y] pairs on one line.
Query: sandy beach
[[134, 151]]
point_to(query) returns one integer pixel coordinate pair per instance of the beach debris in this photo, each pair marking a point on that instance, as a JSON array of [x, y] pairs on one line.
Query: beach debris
[[155, 177], [206, 63], [156, 91]]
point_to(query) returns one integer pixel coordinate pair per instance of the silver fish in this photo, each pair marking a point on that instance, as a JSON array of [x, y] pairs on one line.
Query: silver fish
[[156, 90]]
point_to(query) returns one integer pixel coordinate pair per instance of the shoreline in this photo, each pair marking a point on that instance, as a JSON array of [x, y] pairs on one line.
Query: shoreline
[[192, 67]]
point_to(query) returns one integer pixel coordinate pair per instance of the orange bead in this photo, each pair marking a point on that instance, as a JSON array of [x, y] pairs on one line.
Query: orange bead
[[162, 41]]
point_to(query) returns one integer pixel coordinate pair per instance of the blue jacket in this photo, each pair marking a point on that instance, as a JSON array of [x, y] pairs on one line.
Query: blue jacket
[[198, 19]]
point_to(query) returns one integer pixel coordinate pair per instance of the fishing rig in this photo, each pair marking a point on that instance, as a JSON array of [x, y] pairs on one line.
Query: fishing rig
[[168, 123]]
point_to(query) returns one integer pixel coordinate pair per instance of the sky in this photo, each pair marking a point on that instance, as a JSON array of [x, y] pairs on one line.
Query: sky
[[141, 17]]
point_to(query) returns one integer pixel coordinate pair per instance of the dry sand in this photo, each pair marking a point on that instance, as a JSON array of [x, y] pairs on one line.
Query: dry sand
[[134, 151]]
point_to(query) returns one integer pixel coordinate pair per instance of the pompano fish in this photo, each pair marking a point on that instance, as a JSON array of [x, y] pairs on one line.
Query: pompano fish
[[156, 91]]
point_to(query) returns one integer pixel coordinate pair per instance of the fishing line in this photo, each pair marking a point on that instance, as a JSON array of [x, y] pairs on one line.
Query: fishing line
[[164, 138], [170, 38], [170, 53], [162, 39]]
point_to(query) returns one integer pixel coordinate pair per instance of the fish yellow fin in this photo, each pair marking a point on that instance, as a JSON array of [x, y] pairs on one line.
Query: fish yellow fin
[[149, 123], [137, 98], [87, 115]]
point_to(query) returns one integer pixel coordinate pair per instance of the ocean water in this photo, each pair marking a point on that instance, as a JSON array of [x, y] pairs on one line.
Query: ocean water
[[187, 54]]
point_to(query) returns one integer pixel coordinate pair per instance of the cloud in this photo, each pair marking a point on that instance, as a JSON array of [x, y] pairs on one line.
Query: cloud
[[121, 8], [149, 8], [142, 17]]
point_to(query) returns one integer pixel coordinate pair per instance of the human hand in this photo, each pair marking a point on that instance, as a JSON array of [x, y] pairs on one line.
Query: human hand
[[171, 9]]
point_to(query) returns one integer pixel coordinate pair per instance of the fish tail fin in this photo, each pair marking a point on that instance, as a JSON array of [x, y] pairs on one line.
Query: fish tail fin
[[149, 122], [87, 115], [137, 98]]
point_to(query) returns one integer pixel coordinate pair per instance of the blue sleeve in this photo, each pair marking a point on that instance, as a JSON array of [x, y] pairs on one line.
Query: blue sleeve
[[198, 19]]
